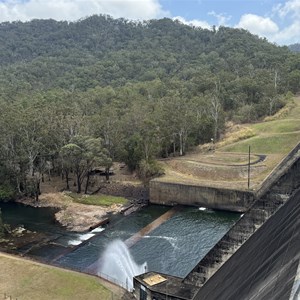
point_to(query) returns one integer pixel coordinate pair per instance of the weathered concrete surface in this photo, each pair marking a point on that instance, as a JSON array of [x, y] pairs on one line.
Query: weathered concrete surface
[[217, 198], [265, 266]]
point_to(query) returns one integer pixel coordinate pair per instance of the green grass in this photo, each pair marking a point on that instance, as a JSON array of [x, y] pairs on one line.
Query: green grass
[[273, 144], [100, 199], [23, 279], [278, 126], [272, 137]]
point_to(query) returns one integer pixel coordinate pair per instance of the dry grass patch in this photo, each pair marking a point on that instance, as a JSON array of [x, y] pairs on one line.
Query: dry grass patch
[[241, 133]]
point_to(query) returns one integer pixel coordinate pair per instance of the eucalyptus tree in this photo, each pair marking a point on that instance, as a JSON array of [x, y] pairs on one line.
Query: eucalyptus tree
[[178, 116], [82, 154]]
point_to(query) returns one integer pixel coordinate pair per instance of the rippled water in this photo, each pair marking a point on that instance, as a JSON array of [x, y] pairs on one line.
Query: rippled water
[[173, 248], [177, 245]]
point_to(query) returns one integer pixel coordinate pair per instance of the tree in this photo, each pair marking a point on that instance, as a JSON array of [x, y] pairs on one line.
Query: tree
[[82, 155]]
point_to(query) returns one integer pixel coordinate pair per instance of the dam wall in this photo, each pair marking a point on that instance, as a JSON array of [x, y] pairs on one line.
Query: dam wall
[[258, 256], [268, 203], [265, 267], [166, 193], [170, 193]]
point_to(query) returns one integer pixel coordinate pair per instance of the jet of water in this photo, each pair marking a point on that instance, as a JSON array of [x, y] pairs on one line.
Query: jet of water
[[117, 264]]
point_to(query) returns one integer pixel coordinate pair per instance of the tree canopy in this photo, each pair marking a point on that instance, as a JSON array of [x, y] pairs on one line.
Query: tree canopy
[[77, 94]]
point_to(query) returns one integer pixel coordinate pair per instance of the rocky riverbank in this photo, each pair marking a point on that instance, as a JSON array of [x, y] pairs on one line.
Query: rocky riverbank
[[74, 216]]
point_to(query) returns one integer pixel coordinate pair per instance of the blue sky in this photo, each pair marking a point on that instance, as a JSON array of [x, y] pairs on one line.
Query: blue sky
[[277, 20]]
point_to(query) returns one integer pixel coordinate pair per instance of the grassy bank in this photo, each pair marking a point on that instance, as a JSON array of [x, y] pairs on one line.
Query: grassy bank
[[278, 136], [99, 199], [271, 144], [23, 279]]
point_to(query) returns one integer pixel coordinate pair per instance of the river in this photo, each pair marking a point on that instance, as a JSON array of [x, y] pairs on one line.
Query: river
[[173, 248]]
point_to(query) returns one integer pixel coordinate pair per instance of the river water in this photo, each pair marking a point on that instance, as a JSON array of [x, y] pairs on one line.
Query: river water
[[173, 248]]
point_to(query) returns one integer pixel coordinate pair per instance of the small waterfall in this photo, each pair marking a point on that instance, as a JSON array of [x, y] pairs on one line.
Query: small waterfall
[[117, 263], [86, 236]]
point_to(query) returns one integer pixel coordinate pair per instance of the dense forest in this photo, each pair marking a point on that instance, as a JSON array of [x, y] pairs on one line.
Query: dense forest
[[75, 95]]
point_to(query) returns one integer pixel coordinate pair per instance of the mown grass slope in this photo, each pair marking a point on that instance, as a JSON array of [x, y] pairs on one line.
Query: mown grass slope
[[23, 279], [272, 137]]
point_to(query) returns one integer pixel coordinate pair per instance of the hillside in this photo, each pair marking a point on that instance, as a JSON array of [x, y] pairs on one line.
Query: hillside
[[75, 96], [225, 164], [101, 51]]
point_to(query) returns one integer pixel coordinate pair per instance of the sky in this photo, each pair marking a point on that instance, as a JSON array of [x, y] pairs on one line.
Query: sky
[[276, 20]]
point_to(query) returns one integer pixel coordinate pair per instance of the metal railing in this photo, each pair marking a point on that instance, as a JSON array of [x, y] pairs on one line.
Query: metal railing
[[124, 285]]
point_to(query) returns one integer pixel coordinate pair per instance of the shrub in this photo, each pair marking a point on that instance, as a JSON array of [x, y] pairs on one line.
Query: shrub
[[282, 113], [149, 169], [6, 193]]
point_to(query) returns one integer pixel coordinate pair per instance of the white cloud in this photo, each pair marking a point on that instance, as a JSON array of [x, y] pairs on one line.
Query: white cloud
[[12, 10], [288, 35], [258, 25], [289, 14], [291, 8], [221, 18], [196, 23]]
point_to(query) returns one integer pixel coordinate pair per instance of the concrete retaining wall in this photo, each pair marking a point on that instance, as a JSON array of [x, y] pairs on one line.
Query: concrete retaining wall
[[279, 171], [224, 199]]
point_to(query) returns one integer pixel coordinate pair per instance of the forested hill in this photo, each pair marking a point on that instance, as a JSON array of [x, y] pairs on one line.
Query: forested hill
[[100, 51], [74, 92], [100, 35]]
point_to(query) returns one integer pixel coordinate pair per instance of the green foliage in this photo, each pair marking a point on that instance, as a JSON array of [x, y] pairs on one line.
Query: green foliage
[[149, 169], [6, 193], [132, 152], [82, 155], [74, 95]]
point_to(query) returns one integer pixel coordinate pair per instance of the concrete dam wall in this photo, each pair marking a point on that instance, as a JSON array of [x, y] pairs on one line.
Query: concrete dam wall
[[259, 257], [284, 180], [265, 267], [169, 193], [166, 193]]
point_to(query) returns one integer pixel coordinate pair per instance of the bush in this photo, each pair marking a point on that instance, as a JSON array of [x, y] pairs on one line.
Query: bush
[[149, 169], [6, 193], [282, 113]]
